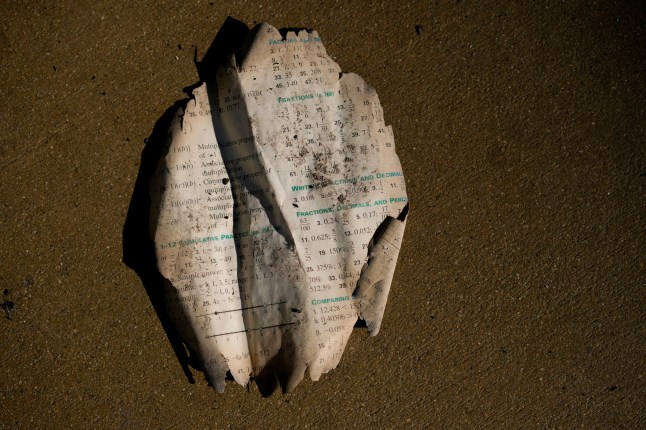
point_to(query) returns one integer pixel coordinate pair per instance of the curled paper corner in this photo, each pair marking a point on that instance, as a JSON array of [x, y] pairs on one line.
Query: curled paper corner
[[377, 273], [278, 211]]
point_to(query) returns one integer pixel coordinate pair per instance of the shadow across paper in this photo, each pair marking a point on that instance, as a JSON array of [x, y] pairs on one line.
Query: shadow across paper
[[138, 246]]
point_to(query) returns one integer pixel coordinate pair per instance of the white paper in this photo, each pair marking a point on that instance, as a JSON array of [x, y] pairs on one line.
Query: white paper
[[276, 212]]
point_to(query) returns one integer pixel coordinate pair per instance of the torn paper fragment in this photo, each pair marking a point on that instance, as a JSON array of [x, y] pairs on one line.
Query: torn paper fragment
[[278, 212]]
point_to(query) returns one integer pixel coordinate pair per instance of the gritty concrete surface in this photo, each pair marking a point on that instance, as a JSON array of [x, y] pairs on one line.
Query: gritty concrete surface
[[518, 301]]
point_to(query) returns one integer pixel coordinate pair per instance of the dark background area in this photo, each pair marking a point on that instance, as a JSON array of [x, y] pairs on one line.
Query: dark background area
[[519, 297]]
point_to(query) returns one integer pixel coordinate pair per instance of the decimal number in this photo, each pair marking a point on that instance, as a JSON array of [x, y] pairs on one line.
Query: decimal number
[[327, 221], [366, 215], [317, 237], [364, 230], [328, 309], [332, 318]]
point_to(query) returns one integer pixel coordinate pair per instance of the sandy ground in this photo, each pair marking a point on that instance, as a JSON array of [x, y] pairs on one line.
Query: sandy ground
[[519, 298]]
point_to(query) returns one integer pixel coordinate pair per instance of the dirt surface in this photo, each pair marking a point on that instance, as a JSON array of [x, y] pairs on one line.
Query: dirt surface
[[519, 297]]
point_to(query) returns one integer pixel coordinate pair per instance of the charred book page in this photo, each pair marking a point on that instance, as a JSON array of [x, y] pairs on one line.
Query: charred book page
[[279, 208]]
